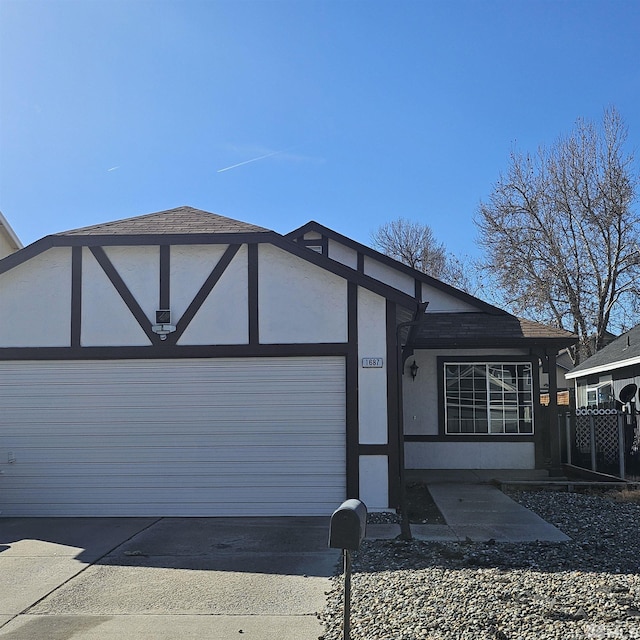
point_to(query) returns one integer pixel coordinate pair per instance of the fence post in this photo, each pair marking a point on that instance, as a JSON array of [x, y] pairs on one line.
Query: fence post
[[621, 418], [592, 435], [567, 433]]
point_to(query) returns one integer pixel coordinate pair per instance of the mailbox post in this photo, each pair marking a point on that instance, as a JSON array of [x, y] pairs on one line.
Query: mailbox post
[[347, 529]]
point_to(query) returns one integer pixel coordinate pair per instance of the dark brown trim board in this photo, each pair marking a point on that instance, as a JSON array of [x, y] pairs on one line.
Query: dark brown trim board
[[179, 351], [252, 275], [125, 294], [353, 435], [165, 277], [76, 296], [322, 242], [380, 257], [373, 450], [201, 296], [469, 437], [393, 407]]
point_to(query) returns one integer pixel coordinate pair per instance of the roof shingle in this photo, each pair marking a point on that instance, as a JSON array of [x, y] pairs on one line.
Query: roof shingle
[[482, 329], [180, 220], [623, 349]]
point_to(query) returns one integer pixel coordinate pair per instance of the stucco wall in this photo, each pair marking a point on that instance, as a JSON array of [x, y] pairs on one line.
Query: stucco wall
[[224, 317], [372, 382], [470, 455], [389, 275], [374, 489], [440, 301], [298, 301], [106, 319], [35, 301], [420, 396], [343, 254], [190, 267], [138, 267], [420, 402]]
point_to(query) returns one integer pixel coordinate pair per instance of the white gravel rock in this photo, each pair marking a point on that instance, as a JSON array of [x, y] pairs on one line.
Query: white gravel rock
[[586, 589]]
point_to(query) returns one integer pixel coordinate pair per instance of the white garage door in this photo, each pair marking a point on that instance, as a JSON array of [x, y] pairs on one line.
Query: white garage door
[[248, 436]]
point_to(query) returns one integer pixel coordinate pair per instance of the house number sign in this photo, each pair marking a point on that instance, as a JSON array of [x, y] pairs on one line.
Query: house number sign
[[372, 363]]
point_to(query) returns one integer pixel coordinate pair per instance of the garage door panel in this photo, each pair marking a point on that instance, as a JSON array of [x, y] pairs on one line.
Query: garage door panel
[[130, 440], [26, 460], [224, 437]]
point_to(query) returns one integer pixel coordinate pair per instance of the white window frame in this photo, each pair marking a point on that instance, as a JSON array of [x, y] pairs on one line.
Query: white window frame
[[505, 413], [597, 388]]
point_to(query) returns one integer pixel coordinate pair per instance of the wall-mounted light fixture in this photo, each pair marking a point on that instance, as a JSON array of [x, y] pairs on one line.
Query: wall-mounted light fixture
[[163, 326], [414, 369]]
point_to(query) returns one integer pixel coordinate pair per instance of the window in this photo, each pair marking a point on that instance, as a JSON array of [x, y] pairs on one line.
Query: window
[[488, 398], [600, 396]]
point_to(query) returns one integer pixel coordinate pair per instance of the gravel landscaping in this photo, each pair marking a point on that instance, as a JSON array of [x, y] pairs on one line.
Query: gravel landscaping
[[587, 589]]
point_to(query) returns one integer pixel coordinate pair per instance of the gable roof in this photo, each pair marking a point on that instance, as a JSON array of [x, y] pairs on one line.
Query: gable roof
[[186, 225], [481, 330], [622, 352], [490, 326], [181, 220], [316, 227]]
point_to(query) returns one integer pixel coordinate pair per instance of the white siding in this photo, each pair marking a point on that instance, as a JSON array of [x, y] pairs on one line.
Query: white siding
[[245, 436]]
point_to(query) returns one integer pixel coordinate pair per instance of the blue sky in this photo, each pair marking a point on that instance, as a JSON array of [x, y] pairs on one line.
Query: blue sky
[[359, 111]]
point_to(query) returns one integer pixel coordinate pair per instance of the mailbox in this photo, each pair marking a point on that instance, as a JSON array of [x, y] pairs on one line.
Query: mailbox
[[348, 525]]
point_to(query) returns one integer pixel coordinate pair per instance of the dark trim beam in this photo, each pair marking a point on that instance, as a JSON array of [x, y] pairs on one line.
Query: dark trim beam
[[175, 351], [76, 296], [468, 438], [252, 274], [202, 294], [165, 277], [393, 418], [125, 294], [353, 428]]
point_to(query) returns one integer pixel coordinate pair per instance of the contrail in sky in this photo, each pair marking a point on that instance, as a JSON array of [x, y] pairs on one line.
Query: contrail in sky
[[113, 168], [266, 155]]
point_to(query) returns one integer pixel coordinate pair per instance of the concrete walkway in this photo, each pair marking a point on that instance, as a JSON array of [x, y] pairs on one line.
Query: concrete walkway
[[478, 512]]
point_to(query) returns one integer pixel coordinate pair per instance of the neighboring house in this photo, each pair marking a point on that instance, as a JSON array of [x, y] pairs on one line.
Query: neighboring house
[[564, 364], [182, 363], [599, 379], [9, 242]]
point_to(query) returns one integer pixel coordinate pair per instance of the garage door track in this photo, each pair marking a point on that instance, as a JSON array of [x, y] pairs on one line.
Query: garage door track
[[200, 578]]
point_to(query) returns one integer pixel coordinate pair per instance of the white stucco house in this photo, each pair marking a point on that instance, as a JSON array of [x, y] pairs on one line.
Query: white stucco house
[[9, 241], [183, 363]]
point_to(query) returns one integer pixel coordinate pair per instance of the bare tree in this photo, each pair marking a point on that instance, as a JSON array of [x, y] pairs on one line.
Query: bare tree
[[414, 244], [561, 235]]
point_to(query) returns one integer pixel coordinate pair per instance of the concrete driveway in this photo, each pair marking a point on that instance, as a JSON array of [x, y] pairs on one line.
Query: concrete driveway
[[156, 578]]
